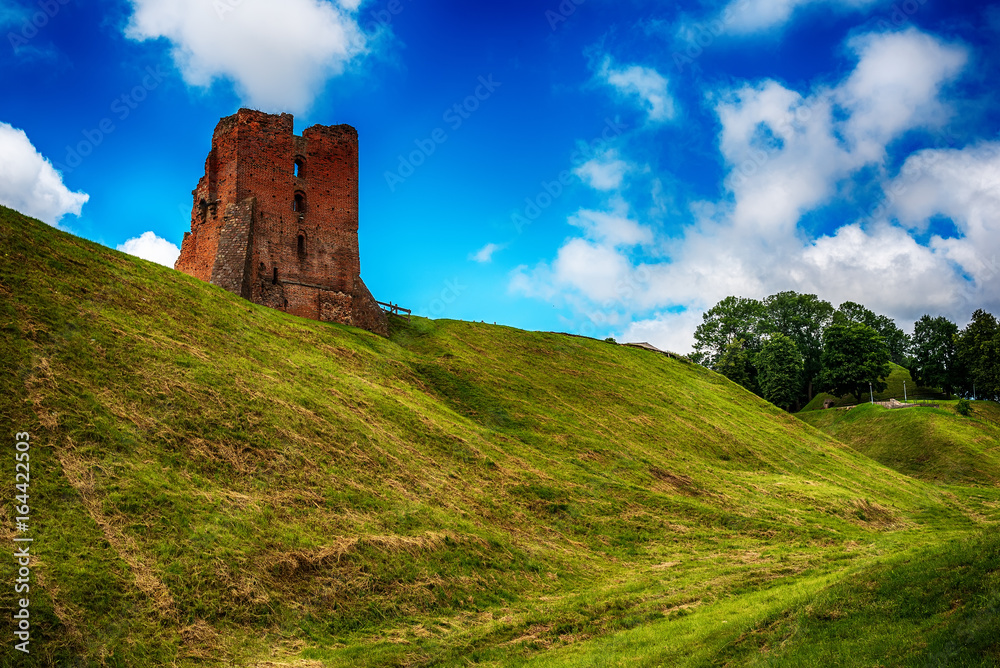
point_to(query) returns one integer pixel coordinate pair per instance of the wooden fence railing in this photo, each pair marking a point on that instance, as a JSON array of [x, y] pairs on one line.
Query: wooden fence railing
[[395, 309]]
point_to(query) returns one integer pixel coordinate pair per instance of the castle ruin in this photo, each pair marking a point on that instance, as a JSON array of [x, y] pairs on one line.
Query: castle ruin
[[275, 220]]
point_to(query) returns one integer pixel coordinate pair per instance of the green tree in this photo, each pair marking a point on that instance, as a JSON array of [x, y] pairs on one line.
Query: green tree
[[979, 354], [736, 364], [802, 318], [895, 339], [779, 371], [732, 319], [849, 312], [854, 356], [934, 353]]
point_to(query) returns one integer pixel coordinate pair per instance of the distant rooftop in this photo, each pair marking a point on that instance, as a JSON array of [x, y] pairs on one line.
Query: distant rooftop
[[650, 346]]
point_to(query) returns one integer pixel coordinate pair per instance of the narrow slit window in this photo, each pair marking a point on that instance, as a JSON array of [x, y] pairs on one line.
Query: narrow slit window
[[274, 277], [299, 204], [302, 244], [300, 168]]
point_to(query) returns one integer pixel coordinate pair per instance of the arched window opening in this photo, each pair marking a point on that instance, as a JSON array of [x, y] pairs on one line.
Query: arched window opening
[[299, 204], [302, 244], [203, 210], [274, 278], [300, 168]]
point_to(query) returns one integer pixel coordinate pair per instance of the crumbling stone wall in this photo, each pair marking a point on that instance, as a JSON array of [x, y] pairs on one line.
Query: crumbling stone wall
[[275, 219], [232, 255]]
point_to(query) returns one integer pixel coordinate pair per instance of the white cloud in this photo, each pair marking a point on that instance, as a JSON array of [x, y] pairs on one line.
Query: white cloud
[[150, 247], [788, 154], [613, 227], [603, 172], [895, 87], [485, 254], [894, 273], [29, 182], [583, 273], [964, 186], [783, 154], [277, 54], [593, 269], [666, 331], [749, 16], [644, 85]]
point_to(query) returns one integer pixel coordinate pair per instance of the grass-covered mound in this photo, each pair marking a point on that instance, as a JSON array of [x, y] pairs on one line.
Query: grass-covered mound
[[934, 444], [894, 390], [933, 606], [217, 483], [937, 607]]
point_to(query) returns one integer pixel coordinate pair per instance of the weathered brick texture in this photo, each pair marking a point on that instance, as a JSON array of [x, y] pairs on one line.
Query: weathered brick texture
[[275, 219]]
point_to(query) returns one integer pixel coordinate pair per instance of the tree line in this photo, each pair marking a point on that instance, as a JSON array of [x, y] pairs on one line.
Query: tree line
[[790, 346]]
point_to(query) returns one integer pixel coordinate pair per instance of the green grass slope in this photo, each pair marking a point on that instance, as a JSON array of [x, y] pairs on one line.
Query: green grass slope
[[894, 390], [935, 606], [217, 483], [873, 618], [934, 444]]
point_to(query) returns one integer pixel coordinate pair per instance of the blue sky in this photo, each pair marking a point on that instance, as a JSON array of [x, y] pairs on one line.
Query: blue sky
[[604, 168]]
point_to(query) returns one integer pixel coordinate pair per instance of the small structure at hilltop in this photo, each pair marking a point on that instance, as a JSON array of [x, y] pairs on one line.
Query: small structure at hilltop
[[275, 220], [648, 346]]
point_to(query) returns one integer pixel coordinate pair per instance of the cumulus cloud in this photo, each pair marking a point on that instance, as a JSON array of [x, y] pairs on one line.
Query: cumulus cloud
[[612, 227], [666, 331], [603, 172], [596, 266], [787, 154], [29, 182], [642, 85], [485, 254], [592, 268], [788, 151], [895, 87], [277, 54], [150, 247], [964, 186], [749, 16]]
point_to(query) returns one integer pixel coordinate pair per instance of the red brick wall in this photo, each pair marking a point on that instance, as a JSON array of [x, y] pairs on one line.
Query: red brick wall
[[251, 168]]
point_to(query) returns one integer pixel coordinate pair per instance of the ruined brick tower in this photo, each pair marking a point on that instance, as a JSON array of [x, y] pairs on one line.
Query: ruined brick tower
[[275, 219]]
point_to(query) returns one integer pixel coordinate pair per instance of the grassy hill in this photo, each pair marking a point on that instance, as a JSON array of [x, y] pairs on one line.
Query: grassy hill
[[894, 390], [217, 483], [934, 444]]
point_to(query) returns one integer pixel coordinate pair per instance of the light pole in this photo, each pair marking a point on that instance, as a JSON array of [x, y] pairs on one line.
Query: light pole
[[870, 393], [904, 391]]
